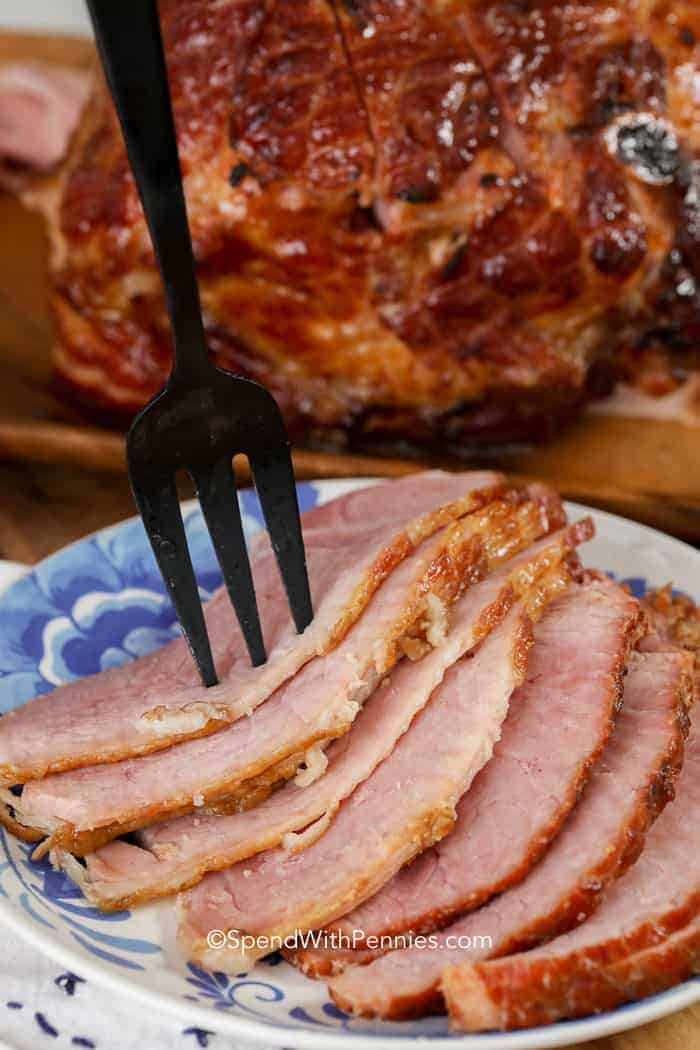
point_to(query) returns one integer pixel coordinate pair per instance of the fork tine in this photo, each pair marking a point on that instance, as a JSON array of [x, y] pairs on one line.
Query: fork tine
[[216, 488], [156, 498], [273, 475]]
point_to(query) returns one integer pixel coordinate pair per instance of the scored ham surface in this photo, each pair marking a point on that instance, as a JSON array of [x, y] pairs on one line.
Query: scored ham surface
[[655, 899], [352, 544], [176, 854], [86, 807], [524, 794], [434, 222], [402, 808], [629, 787]]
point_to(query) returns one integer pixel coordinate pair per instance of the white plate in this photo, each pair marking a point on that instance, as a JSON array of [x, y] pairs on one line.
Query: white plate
[[100, 602]]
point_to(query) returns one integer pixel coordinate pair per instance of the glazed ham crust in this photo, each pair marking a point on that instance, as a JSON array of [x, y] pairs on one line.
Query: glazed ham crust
[[441, 222]]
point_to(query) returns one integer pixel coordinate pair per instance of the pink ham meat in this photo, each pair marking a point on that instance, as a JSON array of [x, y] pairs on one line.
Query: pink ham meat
[[93, 804], [352, 545], [403, 807], [40, 106], [613, 956], [176, 854], [629, 787], [522, 797]]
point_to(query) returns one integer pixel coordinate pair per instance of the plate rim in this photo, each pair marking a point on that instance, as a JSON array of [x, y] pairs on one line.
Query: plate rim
[[269, 1034], [259, 1032]]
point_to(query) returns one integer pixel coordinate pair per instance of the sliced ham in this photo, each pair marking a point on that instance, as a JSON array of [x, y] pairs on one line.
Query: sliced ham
[[602, 986], [402, 808], [93, 804], [176, 854], [631, 784], [352, 545], [522, 797], [40, 106], [613, 956]]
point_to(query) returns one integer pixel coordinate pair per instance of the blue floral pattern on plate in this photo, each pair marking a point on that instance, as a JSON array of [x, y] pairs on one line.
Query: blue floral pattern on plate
[[100, 603]]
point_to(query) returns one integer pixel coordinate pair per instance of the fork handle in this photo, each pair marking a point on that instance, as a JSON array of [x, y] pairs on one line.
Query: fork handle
[[131, 48]]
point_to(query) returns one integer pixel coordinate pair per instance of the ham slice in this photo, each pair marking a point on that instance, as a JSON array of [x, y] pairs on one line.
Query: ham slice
[[94, 804], [604, 986], [402, 808], [523, 796], [613, 956], [604, 835], [40, 106], [176, 854], [352, 545]]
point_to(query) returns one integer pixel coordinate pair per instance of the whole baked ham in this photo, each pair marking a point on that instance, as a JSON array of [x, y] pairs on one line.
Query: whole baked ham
[[176, 854], [434, 221], [523, 796], [352, 545], [406, 805], [629, 787], [576, 973], [83, 808]]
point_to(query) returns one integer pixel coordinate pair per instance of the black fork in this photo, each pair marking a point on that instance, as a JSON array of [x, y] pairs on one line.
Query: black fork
[[204, 416]]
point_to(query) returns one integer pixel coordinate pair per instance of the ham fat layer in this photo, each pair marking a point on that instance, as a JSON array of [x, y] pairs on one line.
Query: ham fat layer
[[352, 544], [89, 806], [402, 808], [603, 836], [177, 854]]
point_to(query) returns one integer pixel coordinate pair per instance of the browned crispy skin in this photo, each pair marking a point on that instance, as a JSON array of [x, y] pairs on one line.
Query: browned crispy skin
[[295, 109], [411, 221], [675, 620]]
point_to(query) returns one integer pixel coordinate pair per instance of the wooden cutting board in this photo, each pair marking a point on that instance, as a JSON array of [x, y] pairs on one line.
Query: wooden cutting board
[[645, 470]]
